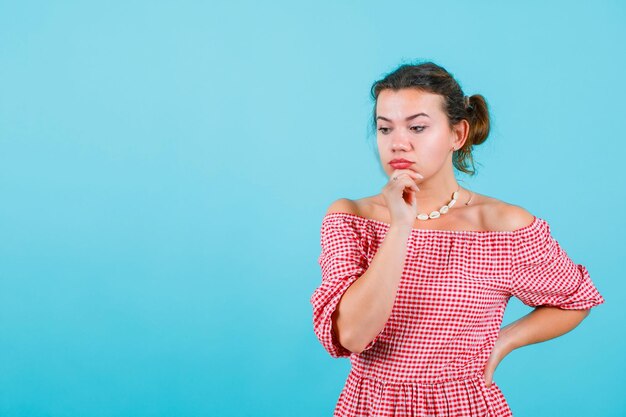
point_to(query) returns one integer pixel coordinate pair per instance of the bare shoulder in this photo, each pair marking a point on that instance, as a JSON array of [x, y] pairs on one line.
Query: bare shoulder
[[363, 207], [506, 216], [343, 205]]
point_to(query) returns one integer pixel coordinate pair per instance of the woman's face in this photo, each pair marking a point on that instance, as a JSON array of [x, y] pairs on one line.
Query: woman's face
[[411, 125]]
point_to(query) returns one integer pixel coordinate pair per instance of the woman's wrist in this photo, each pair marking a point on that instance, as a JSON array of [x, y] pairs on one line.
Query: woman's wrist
[[400, 229]]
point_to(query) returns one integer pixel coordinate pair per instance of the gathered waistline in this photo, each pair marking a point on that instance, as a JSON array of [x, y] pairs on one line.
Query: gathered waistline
[[477, 376]]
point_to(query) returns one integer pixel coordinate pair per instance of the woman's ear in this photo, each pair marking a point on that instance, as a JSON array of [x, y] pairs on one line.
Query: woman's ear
[[461, 133]]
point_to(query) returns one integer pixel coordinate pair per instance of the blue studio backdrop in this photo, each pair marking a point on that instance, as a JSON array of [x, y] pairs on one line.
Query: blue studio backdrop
[[165, 166]]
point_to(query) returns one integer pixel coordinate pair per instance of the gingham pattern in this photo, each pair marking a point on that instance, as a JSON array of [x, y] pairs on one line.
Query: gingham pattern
[[429, 358]]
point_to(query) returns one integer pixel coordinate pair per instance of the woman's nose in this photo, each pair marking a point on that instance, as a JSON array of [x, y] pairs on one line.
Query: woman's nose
[[400, 143]]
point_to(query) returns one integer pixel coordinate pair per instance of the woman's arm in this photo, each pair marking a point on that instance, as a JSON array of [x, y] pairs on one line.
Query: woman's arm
[[366, 306], [541, 324]]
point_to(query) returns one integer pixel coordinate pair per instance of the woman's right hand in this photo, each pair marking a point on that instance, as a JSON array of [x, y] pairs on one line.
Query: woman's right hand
[[400, 196]]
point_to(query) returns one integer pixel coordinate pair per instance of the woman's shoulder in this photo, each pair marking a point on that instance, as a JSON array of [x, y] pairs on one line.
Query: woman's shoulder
[[366, 207], [501, 215], [355, 213], [344, 205]]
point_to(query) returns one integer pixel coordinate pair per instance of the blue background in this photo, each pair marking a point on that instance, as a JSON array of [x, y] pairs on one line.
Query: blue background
[[164, 168]]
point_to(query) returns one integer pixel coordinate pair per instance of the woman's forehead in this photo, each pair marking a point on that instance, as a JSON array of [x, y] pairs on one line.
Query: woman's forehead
[[406, 102]]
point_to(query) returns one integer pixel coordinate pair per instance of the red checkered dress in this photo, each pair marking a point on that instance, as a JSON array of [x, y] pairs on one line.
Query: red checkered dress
[[429, 358]]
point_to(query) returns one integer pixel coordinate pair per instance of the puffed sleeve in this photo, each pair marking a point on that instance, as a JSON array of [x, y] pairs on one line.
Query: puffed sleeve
[[342, 260], [543, 274]]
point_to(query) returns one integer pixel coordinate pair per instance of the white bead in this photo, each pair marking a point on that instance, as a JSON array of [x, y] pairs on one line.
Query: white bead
[[437, 213]]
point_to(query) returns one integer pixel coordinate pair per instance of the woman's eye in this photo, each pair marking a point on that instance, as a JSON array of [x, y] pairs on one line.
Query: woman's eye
[[385, 130]]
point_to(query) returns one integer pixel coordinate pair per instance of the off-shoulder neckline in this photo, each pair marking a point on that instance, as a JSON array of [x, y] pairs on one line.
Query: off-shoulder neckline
[[533, 224]]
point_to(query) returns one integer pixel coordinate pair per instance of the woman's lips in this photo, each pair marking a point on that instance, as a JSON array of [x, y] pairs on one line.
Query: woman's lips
[[400, 165]]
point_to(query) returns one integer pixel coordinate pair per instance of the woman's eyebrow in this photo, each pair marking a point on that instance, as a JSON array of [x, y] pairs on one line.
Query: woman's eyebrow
[[408, 118]]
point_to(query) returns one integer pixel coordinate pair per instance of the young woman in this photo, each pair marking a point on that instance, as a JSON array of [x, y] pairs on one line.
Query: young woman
[[415, 280]]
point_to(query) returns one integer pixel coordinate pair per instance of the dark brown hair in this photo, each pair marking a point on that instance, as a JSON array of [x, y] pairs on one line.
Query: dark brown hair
[[435, 79]]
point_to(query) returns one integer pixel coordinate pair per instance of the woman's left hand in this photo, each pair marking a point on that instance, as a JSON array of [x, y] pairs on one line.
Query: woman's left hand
[[500, 350]]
